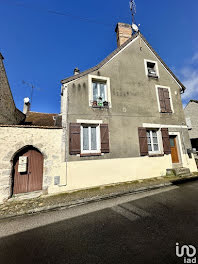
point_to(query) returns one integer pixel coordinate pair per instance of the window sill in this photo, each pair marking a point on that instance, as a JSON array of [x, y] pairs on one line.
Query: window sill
[[90, 154], [166, 112], [100, 106], [153, 76], [155, 155]]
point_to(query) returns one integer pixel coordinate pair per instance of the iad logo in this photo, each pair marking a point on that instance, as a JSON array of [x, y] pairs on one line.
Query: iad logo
[[186, 251]]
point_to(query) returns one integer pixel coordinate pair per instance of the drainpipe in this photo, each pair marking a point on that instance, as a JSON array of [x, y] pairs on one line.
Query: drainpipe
[[64, 108], [185, 152]]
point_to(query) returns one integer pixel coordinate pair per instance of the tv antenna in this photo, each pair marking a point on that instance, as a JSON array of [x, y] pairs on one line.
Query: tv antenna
[[133, 12]]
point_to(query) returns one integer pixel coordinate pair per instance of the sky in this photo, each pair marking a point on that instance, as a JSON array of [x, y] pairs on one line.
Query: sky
[[42, 41]]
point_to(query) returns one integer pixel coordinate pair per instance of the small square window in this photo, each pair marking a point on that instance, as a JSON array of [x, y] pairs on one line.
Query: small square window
[[151, 69]]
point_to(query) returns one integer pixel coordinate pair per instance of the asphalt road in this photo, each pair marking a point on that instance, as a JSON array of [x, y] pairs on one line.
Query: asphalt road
[[141, 228]]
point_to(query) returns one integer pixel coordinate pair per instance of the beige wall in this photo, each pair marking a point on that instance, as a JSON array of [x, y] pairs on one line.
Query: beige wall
[[12, 139], [92, 173], [79, 174]]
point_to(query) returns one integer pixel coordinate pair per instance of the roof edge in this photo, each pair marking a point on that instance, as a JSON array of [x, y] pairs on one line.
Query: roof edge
[[99, 65], [111, 55]]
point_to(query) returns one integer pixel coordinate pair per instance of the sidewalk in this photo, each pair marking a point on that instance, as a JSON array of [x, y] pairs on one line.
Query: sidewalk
[[51, 202]]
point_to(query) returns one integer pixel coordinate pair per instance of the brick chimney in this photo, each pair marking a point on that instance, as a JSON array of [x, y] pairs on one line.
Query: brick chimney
[[124, 32]]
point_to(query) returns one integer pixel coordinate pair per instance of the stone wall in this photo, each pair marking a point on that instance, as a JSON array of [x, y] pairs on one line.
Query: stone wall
[[13, 139], [9, 114]]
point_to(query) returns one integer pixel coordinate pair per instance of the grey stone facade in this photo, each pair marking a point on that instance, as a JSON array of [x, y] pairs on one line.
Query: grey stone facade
[[133, 98], [191, 111]]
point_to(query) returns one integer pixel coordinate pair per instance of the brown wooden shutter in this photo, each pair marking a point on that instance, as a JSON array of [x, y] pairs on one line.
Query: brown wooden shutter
[[143, 141], [167, 100], [104, 135], [162, 100], [166, 141], [74, 139]]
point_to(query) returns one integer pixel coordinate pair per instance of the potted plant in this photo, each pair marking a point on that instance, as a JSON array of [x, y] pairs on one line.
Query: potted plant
[[105, 103], [100, 103], [95, 103]]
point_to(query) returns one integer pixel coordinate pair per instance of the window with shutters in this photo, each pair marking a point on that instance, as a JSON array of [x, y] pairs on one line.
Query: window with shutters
[[99, 91], [164, 99], [151, 69], [87, 138], [90, 139], [153, 141]]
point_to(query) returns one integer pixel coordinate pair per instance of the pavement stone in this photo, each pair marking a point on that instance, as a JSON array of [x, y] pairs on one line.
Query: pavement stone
[[16, 207]]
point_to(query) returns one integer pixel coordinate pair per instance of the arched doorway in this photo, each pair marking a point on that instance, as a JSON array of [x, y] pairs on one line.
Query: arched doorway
[[27, 171]]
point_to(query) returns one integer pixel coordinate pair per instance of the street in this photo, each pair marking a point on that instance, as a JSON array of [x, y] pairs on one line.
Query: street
[[141, 228]]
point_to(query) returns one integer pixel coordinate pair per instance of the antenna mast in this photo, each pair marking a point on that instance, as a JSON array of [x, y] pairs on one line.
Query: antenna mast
[[133, 10]]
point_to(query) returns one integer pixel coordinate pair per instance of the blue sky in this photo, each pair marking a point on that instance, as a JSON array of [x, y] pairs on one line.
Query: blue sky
[[42, 48]]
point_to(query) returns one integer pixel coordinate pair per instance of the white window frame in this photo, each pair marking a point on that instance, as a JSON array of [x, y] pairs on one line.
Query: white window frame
[[98, 142], [158, 101], [146, 68], [98, 88], [159, 141], [91, 79]]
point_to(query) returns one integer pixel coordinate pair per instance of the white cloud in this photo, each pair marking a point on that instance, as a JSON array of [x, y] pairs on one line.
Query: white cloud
[[189, 77], [195, 57]]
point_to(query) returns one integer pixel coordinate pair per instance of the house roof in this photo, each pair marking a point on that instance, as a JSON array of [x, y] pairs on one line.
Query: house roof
[[42, 119], [110, 56], [194, 101], [1, 56]]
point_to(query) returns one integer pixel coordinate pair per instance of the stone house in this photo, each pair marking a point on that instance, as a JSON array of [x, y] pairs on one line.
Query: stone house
[[120, 121], [191, 113], [123, 119]]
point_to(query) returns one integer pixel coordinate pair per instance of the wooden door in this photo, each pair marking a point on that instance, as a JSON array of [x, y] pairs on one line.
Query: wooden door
[[32, 179], [174, 150]]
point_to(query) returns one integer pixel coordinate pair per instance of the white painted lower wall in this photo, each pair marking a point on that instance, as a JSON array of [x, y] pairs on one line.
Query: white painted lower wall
[[92, 173]]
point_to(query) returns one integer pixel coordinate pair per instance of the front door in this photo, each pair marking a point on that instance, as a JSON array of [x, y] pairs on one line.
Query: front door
[[29, 179], [174, 150]]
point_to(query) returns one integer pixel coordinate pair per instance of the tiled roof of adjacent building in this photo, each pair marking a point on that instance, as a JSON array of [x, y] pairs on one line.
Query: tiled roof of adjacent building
[[43, 119], [77, 76]]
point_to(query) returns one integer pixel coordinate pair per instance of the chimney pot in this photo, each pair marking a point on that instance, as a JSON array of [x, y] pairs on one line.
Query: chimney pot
[[124, 32], [76, 71], [26, 106]]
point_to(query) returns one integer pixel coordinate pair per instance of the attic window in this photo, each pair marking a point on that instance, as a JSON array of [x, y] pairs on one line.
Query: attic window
[[99, 91], [151, 69]]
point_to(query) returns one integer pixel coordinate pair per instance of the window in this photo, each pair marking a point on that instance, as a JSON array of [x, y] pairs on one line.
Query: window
[[164, 99], [151, 69], [90, 139], [152, 141], [99, 91]]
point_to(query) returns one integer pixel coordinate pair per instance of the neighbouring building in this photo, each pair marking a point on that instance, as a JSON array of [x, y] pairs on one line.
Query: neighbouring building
[[9, 114], [31, 142], [191, 113], [120, 121]]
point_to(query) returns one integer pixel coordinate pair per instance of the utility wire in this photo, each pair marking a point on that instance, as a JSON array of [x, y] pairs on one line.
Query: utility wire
[[54, 12]]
